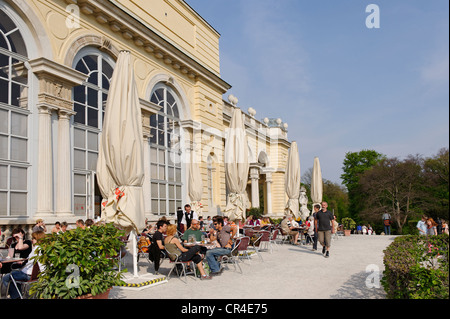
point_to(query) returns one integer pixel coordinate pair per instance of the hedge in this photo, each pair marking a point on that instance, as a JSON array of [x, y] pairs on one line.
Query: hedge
[[417, 267]]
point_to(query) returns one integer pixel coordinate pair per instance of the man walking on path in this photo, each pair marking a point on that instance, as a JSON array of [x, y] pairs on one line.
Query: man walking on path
[[324, 224]]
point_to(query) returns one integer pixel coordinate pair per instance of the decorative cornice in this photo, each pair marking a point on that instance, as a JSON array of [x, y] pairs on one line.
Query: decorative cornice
[[42, 66], [131, 29], [55, 83]]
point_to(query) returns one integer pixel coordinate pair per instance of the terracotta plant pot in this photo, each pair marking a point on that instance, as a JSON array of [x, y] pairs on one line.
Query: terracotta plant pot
[[347, 232], [103, 295]]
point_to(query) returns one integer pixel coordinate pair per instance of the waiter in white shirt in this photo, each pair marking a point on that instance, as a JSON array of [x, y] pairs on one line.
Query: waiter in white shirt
[[188, 216]]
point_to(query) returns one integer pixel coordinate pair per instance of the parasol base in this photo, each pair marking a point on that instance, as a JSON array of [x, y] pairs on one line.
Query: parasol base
[[142, 281]]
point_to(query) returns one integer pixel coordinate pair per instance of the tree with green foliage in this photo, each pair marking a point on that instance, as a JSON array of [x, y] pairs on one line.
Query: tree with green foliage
[[334, 194], [394, 186], [337, 198], [436, 184], [355, 164]]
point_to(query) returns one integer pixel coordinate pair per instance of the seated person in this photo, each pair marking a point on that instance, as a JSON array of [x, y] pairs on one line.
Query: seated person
[[56, 228], [20, 244], [64, 226], [287, 227], [254, 221], [265, 223], [194, 230], [223, 235], [174, 248], [157, 245], [89, 222], [25, 272], [310, 228], [249, 218]]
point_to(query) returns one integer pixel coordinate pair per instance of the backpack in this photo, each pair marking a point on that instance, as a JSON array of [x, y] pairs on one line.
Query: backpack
[[387, 222]]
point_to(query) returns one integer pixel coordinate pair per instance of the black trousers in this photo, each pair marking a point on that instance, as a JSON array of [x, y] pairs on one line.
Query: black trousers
[[192, 254], [315, 240]]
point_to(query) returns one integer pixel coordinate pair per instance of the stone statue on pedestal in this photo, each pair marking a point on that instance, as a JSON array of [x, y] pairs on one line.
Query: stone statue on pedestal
[[303, 200]]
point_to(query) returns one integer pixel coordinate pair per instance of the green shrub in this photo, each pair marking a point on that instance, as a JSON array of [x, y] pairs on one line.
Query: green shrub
[[416, 267], [348, 223], [78, 262], [255, 211]]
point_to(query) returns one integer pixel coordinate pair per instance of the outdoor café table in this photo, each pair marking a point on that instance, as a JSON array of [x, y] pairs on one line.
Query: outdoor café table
[[7, 263], [207, 245], [301, 230], [11, 260]]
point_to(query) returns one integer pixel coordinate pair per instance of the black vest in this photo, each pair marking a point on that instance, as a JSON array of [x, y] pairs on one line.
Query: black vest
[[188, 219]]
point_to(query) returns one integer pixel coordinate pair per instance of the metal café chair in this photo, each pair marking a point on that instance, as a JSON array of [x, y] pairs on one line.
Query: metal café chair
[[265, 240], [233, 256], [248, 231], [285, 236], [273, 239], [24, 283], [255, 246], [243, 247], [175, 260]]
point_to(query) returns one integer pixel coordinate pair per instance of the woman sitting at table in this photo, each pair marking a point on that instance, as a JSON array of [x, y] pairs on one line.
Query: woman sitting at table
[[174, 247], [25, 272], [265, 223], [20, 244], [254, 221]]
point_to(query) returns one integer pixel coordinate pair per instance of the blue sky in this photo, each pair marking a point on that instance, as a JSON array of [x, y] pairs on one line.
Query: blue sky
[[339, 85]]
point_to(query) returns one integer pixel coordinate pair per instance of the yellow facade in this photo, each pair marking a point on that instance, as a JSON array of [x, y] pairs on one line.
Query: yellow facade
[[173, 49]]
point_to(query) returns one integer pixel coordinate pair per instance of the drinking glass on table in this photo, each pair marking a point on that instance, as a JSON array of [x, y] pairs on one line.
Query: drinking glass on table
[[10, 252]]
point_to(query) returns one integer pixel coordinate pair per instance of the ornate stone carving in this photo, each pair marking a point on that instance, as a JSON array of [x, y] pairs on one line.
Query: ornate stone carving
[[55, 83]]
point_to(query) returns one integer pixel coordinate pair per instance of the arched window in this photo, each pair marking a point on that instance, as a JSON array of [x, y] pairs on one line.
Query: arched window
[[165, 154], [89, 102], [14, 113]]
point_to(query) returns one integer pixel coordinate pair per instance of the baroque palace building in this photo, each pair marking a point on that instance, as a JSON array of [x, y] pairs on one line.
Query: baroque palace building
[[56, 60]]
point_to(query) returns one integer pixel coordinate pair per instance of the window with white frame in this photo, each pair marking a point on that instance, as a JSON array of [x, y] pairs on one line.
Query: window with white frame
[[14, 113], [165, 154], [89, 102]]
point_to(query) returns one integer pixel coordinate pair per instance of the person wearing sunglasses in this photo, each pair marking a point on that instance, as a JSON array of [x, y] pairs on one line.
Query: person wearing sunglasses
[[224, 236]]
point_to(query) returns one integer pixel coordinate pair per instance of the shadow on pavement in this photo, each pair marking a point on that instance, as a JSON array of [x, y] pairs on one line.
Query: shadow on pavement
[[355, 288]]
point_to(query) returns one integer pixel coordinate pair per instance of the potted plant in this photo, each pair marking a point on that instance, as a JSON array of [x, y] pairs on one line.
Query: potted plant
[[348, 224], [78, 263]]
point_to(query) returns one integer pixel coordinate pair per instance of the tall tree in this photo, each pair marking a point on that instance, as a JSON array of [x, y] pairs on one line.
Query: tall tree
[[335, 194], [436, 185], [394, 186], [355, 164], [337, 197]]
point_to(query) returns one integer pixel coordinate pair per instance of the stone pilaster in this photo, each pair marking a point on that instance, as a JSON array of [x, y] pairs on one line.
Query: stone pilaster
[[55, 95], [45, 163], [269, 192], [254, 177], [64, 169], [146, 187]]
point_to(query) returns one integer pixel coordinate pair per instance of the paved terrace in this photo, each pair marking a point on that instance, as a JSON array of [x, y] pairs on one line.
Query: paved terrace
[[290, 272]]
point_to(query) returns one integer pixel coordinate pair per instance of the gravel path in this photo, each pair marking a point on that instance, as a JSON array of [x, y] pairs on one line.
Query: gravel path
[[290, 272]]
